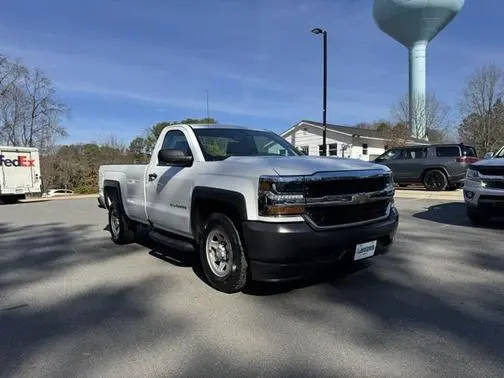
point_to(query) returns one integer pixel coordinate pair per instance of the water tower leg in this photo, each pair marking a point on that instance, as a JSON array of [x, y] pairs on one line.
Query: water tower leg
[[417, 79]]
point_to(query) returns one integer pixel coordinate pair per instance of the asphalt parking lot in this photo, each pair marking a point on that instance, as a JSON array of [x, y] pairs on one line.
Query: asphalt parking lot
[[74, 304]]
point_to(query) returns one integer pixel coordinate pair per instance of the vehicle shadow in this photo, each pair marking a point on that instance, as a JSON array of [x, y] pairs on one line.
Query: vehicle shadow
[[184, 259], [333, 274], [454, 213]]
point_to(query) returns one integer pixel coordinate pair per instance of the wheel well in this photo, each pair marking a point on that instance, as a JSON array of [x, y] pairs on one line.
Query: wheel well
[[208, 200], [112, 189], [203, 209]]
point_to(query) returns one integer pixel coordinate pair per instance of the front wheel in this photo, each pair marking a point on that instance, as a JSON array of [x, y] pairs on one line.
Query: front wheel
[[435, 180], [222, 254]]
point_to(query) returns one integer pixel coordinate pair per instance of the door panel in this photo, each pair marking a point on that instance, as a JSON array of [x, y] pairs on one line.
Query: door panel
[[168, 187]]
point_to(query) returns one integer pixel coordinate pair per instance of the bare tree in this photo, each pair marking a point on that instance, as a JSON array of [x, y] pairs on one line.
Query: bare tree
[[482, 109], [435, 113], [30, 115]]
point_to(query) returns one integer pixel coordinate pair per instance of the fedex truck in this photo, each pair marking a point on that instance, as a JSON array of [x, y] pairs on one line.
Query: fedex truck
[[19, 173]]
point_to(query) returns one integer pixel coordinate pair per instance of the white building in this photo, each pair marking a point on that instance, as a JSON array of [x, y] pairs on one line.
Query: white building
[[342, 141]]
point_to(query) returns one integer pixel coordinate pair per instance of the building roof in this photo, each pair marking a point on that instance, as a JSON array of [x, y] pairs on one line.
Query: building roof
[[351, 131]]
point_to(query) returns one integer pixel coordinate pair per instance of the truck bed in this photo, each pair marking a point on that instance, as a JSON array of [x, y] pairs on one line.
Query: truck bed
[[131, 179]]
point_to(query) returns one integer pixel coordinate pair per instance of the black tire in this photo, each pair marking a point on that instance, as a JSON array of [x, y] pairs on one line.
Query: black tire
[[122, 231], [454, 186], [234, 278], [10, 200], [475, 216], [435, 180]]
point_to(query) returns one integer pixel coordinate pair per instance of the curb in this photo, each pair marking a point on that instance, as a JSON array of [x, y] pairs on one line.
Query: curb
[[457, 195], [47, 199]]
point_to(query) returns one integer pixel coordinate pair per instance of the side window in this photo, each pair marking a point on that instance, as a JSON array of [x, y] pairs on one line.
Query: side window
[[390, 155], [321, 150], [176, 140], [305, 150], [364, 149], [333, 149], [415, 153], [398, 155], [469, 151], [448, 151]]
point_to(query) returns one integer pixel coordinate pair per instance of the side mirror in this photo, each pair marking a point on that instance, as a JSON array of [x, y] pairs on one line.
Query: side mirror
[[488, 155], [174, 157]]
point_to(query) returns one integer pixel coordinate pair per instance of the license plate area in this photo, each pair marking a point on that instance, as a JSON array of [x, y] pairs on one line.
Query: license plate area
[[365, 250]]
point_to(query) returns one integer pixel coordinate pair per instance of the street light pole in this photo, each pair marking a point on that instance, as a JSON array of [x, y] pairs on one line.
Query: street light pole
[[324, 108]]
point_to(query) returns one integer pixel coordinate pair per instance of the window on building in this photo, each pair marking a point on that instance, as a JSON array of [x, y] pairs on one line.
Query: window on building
[[448, 151], [333, 149], [321, 150], [364, 149], [305, 150]]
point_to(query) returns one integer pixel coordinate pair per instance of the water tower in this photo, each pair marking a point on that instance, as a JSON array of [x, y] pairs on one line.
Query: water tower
[[414, 23]]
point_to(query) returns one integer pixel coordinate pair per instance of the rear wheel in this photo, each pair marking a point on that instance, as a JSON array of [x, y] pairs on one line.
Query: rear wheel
[[121, 230], [222, 254], [435, 180]]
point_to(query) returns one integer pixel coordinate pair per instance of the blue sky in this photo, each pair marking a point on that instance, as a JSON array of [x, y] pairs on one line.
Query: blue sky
[[123, 65]]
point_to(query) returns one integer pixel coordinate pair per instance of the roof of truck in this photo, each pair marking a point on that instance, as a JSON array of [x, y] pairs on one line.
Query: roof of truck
[[16, 148], [219, 126]]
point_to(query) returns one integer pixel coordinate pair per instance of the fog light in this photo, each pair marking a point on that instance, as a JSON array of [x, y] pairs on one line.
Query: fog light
[[469, 194]]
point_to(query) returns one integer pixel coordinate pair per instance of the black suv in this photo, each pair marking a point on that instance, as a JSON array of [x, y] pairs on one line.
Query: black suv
[[437, 167]]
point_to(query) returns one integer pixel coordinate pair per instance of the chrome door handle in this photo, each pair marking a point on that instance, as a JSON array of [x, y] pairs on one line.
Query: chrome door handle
[[152, 176]]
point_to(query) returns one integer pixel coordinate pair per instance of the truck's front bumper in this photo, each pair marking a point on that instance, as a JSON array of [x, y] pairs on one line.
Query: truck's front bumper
[[485, 200], [289, 251]]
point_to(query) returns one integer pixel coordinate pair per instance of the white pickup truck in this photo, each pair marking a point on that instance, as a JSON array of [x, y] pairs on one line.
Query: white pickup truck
[[252, 205]]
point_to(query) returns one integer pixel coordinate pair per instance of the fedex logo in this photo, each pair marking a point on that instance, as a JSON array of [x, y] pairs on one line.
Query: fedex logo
[[21, 161]]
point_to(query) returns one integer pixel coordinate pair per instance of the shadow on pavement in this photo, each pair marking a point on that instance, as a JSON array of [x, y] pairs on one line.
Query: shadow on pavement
[[454, 213]]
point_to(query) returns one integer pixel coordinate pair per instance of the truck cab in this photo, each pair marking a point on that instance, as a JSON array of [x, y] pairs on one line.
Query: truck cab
[[251, 204]]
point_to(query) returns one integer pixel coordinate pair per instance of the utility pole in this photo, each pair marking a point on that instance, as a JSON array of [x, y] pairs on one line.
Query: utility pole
[[324, 107]]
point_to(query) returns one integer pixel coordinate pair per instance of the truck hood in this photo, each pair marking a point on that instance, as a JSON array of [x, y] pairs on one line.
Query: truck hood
[[490, 163], [304, 165]]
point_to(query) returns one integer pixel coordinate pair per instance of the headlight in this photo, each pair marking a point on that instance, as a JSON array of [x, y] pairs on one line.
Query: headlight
[[473, 175], [281, 196]]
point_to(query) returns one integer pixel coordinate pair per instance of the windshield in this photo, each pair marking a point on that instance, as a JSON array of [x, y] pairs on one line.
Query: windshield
[[500, 154], [219, 144]]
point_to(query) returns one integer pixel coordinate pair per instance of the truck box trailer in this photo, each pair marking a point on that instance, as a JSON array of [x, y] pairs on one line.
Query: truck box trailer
[[19, 173]]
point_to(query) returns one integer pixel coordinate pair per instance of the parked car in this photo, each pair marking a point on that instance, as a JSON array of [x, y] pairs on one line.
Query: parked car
[[437, 167], [251, 204], [19, 173], [484, 188], [59, 193]]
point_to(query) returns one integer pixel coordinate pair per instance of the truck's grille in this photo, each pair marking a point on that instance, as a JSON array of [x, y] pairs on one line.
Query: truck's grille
[[494, 184], [331, 186], [489, 171], [327, 216]]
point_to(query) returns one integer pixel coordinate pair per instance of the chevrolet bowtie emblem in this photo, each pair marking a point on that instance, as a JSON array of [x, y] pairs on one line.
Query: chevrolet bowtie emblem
[[360, 198]]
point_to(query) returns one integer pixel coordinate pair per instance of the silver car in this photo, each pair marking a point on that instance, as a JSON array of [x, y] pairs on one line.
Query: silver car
[[484, 188]]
